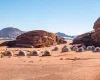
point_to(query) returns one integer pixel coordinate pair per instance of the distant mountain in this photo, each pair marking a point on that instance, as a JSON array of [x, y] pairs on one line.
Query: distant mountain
[[10, 33], [65, 35]]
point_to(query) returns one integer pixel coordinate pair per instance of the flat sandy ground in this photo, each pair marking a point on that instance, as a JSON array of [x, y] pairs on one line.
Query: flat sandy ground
[[59, 66]]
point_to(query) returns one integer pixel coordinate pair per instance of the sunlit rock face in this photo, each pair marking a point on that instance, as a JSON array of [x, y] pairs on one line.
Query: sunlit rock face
[[96, 26], [96, 35], [36, 38], [83, 39], [90, 38]]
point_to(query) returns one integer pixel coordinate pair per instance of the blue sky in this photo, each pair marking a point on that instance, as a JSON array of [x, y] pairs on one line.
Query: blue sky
[[69, 16]]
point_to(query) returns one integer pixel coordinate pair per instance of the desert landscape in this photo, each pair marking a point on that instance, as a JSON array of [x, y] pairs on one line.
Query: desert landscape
[[59, 66], [49, 40], [43, 55]]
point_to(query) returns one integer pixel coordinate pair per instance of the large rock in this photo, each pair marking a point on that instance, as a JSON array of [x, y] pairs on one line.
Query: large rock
[[36, 38], [91, 38], [97, 25], [83, 39], [96, 36]]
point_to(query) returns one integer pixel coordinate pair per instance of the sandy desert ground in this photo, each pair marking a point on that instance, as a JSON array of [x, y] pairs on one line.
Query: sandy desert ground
[[59, 66]]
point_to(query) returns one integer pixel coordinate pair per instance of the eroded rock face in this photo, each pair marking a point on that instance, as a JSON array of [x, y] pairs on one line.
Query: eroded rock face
[[36, 38], [96, 26], [83, 39], [91, 38], [96, 36]]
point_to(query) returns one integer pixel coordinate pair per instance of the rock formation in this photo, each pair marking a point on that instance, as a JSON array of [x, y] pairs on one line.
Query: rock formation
[[84, 38], [36, 38], [96, 26], [90, 38]]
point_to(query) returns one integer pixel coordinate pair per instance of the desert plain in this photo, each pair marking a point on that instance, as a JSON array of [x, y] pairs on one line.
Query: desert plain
[[59, 66]]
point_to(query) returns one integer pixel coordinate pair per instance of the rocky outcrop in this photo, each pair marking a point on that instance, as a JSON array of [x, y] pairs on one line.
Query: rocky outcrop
[[90, 38], [96, 36], [39, 38], [36, 38], [96, 26], [84, 38]]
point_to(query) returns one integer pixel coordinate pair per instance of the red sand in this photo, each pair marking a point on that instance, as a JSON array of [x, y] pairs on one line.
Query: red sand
[[59, 66]]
